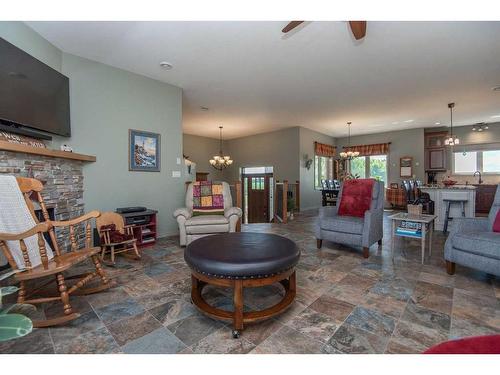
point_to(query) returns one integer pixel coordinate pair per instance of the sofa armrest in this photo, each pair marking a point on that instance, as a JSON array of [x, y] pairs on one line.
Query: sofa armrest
[[469, 224], [373, 228], [228, 212], [184, 212]]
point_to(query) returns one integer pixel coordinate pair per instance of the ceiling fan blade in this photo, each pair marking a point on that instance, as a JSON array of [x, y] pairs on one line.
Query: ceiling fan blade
[[358, 29], [292, 25]]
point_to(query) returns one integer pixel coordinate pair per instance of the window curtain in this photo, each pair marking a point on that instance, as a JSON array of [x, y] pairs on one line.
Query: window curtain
[[322, 149], [367, 150]]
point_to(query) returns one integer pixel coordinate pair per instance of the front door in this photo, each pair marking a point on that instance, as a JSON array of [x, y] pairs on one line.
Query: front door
[[258, 198]]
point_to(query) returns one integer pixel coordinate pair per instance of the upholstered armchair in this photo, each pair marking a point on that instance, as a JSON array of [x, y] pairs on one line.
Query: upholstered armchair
[[193, 227], [473, 243], [350, 230]]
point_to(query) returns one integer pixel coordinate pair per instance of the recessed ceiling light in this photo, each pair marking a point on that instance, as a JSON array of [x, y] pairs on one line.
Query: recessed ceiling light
[[408, 121], [495, 116], [395, 123], [166, 65], [437, 123], [204, 108], [496, 88]]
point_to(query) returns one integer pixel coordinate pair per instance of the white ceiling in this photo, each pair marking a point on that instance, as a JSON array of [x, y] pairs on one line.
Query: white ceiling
[[254, 79]]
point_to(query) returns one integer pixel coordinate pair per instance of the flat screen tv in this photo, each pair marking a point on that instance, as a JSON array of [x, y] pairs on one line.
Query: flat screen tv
[[32, 94]]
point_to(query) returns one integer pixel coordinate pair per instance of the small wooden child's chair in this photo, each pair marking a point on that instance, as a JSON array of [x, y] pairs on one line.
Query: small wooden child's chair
[[116, 237]]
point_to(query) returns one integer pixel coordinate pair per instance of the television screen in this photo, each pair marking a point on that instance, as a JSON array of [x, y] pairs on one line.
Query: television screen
[[32, 94]]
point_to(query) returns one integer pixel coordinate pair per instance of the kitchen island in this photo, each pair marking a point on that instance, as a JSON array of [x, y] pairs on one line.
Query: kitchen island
[[439, 193]]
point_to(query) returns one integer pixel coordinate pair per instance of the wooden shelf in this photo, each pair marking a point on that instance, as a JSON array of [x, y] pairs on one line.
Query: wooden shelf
[[15, 147]]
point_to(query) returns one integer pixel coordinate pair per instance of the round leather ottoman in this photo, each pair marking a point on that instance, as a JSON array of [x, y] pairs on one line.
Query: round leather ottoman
[[242, 260]]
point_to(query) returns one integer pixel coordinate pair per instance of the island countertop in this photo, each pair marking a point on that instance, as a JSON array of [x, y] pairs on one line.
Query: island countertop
[[452, 187], [441, 194]]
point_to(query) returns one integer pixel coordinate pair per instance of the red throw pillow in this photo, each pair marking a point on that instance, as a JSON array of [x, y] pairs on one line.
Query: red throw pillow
[[468, 345], [356, 197], [496, 223]]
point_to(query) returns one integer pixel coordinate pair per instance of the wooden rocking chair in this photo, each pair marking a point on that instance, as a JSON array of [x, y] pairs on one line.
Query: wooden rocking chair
[[56, 265], [107, 242]]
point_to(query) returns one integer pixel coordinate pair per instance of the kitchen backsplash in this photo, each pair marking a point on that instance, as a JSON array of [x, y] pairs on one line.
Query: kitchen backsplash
[[487, 179]]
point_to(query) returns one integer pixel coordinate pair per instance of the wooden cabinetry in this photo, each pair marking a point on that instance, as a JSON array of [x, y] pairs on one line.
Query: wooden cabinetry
[[145, 229], [435, 151], [202, 176], [485, 195]]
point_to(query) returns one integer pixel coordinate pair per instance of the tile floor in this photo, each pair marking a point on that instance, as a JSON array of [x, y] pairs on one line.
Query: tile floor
[[345, 304]]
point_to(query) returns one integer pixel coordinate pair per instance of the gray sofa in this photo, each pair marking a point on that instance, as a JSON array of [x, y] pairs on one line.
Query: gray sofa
[[473, 243], [354, 231], [193, 227]]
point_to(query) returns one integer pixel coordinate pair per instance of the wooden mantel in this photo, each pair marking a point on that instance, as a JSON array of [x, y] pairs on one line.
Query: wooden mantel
[[15, 147]]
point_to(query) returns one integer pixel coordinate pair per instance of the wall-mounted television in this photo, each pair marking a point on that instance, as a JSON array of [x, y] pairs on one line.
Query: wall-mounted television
[[32, 94]]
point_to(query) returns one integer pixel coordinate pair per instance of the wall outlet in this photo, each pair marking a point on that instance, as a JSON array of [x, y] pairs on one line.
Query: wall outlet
[[176, 174], [178, 161]]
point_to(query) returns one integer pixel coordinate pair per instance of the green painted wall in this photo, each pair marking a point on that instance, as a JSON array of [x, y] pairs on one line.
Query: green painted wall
[[105, 103]]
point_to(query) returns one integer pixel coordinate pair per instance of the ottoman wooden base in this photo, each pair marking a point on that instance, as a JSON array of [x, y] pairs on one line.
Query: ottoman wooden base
[[238, 317]]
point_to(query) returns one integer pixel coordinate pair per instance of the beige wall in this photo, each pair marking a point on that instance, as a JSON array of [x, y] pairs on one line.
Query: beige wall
[[278, 149], [200, 150], [283, 149]]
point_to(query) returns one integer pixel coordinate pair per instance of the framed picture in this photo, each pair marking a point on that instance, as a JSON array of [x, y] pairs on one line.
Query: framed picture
[[405, 166], [394, 185], [144, 151]]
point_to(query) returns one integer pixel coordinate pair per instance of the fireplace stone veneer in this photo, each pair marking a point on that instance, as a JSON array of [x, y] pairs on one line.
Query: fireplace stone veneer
[[63, 185]]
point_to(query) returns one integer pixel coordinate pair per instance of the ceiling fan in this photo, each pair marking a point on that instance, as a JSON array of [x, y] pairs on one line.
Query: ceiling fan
[[358, 28]]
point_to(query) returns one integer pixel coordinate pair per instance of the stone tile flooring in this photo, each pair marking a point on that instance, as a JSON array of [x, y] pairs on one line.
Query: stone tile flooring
[[345, 304]]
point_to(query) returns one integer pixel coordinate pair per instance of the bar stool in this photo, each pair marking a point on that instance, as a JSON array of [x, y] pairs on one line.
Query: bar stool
[[448, 203]]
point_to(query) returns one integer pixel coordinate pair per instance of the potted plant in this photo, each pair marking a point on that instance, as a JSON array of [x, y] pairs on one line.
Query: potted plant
[[290, 207], [13, 325]]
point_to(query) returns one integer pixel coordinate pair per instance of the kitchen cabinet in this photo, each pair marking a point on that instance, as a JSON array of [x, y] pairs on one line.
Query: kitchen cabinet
[[435, 139], [435, 159], [435, 151], [485, 195]]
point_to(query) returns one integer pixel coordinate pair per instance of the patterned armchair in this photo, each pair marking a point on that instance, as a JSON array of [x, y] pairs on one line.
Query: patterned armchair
[[350, 230], [192, 227]]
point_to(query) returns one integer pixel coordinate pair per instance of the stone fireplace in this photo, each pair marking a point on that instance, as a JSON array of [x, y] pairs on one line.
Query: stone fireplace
[[63, 184]]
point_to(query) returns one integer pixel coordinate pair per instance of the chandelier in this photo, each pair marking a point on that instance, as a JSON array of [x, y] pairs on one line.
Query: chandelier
[[349, 155], [451, 140], [220, 161]]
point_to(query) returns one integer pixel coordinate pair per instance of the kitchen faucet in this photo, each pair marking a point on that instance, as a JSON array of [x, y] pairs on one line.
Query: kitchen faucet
[[479, 173]]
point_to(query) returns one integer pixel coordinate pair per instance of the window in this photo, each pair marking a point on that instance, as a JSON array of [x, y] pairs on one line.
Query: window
[[358, 167], [465, 162], [374, 166], [323, 170], [257, 183], [378, 167], [491, 161], [485, 161]]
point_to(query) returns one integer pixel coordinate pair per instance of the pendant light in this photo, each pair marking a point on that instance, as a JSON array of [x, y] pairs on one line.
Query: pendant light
[[451, 140], [349, 155], [220, 161]]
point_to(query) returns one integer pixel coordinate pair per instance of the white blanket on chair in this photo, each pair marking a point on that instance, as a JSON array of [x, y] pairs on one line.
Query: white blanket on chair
[[15, 217]]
